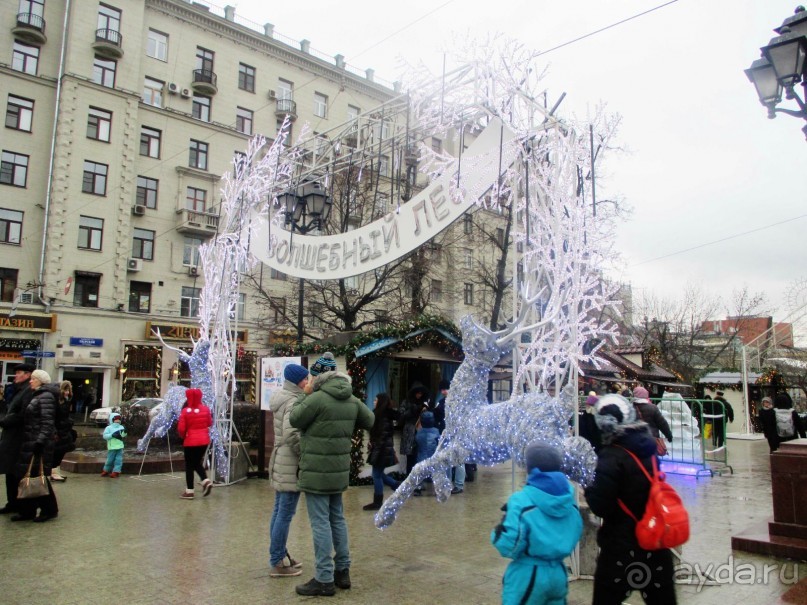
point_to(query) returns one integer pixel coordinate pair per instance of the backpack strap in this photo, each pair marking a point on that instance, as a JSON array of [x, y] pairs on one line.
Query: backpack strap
[[650, 478]]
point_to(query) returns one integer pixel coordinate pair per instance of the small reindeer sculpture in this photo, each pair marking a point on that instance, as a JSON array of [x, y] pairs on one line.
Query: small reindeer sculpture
[[492, 433]]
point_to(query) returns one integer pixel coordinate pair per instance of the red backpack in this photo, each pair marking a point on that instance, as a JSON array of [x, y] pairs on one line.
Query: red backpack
[[665, 523]]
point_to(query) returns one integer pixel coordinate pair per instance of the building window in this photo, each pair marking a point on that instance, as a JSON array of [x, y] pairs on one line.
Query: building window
[[243, 120], [240, 313], [468, 294], [500, 237], [85, 293], [157, 45], [437, 291], [278, 307], [99, 124], [320, 105], [143, 244], [153, 92], [275, 274], [14, 169], [10, 226], [25, 58], [147, 192], [200, 108], [189, 305], [468, 258], [204, 59], [437, 145], [502, 389], [436, 251], [196, 199], [139, 297], [90, 233], [467, 224], [103, 72], [150, 142], [315, 315], [8, 283], [19, 113], [94, 178], [353, 114], [109, 19], [198, 155], [190, 253], [246, 77], [285, 90]]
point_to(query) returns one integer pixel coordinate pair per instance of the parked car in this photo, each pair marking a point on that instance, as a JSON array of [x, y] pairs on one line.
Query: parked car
[[152, 404], [100, 416]]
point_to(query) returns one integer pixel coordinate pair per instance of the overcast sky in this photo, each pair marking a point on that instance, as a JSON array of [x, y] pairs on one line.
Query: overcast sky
[[702, 161]]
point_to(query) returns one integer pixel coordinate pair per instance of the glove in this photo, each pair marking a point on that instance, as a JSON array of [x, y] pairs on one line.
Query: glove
[[118, 435], [38, 448]]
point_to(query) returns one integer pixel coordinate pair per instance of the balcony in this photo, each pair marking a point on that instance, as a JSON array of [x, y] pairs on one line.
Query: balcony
[[204, 81], [108, 43], [30, 28], [197, 223], [286, 107]]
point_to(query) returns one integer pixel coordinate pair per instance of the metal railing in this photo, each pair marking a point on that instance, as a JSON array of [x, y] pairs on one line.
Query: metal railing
[[31, 20], [207, 76], [109, 35]]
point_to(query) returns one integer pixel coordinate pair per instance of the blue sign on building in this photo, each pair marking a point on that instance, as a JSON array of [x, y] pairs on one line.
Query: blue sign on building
[[31, 353], [78, 341]]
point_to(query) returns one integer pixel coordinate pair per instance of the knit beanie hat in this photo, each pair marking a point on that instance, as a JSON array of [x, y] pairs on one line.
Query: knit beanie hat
[[326, 363], [295, 373], [444, 385], [41, 375], [591, 400], [543, 457], [641, 393], [194, 397], [427, 420], [612, 411]]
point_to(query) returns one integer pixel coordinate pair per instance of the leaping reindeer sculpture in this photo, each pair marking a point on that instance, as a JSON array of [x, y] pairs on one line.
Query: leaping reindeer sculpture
[[493, 433]]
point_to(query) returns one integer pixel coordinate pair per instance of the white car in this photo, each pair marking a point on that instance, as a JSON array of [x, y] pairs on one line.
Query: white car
[[152, 404], [100, 416]]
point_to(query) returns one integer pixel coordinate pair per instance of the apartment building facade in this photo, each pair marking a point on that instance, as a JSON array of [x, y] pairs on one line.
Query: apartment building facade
[[120, 118]]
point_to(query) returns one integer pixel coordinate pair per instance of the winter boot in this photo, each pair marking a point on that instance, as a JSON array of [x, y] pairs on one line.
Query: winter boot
[[376, 504]]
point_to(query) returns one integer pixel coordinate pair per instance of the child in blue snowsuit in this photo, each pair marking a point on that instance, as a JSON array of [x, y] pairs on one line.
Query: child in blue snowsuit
[[541, 527], [426, 440], [114, 434]]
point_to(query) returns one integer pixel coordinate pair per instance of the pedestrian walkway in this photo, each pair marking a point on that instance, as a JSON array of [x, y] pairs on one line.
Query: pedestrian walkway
[[134, 541]]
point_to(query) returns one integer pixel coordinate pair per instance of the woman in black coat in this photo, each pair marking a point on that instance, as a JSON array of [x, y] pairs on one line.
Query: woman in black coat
[[65, 435], [39, 432], [382, 449]]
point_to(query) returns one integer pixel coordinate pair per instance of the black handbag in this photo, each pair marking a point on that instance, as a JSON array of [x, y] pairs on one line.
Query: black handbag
[[33, 487]]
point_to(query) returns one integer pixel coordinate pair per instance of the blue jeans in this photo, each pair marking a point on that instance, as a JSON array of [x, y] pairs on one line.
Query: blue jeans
[[380, 479], [328, 526], [285, 507], [114, 461], [459, 476]]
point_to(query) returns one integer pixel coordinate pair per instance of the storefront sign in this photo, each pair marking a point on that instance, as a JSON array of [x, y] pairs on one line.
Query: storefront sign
[[78, 341], [398, 233], [28, 322], [183, 332], [28, 353]]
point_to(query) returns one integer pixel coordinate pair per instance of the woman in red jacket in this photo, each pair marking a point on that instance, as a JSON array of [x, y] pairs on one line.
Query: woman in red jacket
[[194, 425]]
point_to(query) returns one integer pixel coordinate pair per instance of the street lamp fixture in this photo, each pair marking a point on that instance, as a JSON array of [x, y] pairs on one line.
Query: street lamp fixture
[[782, 67], [307, 208]]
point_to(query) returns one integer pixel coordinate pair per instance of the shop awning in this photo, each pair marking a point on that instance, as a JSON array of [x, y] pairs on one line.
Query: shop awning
[[383, 343], [676, 385]]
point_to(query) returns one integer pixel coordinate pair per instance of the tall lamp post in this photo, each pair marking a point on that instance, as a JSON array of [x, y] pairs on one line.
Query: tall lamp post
[[307, 209], [782, 67]]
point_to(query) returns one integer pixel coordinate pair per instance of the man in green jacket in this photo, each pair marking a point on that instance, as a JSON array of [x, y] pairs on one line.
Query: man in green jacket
[[327, 416]]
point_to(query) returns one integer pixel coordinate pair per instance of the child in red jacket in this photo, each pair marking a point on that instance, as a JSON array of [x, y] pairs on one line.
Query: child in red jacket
[[194, 425]]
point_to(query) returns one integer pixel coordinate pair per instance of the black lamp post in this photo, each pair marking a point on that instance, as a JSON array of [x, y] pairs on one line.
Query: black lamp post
[[307, 208], [782, 67]]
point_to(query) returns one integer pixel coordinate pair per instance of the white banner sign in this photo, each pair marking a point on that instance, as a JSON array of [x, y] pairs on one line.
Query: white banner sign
[[272, 376], [396, 234]]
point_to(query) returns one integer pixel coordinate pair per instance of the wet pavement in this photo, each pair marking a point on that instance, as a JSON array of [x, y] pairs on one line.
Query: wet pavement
[[133, 540]]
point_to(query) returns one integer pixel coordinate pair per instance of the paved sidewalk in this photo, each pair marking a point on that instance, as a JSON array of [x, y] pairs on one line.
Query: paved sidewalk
[[134, 541]]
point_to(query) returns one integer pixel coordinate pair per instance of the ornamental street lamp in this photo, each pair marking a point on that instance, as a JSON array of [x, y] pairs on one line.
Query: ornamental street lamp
[[782, 67], [307, 208]]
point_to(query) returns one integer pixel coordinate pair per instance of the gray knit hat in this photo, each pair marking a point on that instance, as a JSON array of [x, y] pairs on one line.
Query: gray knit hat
[[543, 457]]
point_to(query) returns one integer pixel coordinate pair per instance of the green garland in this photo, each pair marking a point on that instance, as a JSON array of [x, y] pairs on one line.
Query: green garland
[[358, 371]]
